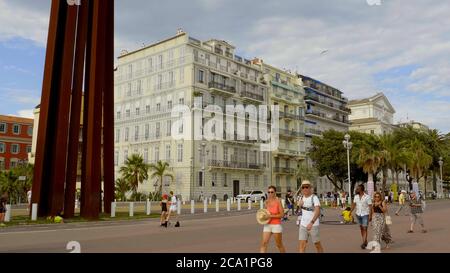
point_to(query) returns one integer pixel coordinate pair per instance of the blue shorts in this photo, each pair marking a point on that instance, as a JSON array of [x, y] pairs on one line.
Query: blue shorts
[[363, 220]]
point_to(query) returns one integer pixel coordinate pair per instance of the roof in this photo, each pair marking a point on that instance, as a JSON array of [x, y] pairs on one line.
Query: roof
[[13, 119], [372, 99], [152, 45]]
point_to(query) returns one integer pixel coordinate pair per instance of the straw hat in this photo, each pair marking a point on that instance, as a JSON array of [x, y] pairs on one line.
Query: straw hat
[[263, 217]]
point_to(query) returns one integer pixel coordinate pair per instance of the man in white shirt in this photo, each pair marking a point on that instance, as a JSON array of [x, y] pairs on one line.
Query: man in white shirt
[[29, 199], [173, 208], [363, 205], [309, 225]]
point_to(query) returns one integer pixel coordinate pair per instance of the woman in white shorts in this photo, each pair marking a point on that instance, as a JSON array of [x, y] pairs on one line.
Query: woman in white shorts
[[275, 208]]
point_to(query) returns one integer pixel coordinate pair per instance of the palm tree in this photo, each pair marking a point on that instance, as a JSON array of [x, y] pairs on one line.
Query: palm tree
[[9, 185], [135, 171], [122, 188], [368, 157], [419, 161], [159, 171]]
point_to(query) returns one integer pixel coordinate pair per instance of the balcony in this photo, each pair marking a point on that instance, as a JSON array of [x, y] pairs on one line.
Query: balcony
[[221, 164], [289, 153], [313, 132], [289, 116], [222, 89], [279, 170], [195, 41], [252, 97], [334, 106], [326, 117], [218, 51], [229, 54], [290, 134]]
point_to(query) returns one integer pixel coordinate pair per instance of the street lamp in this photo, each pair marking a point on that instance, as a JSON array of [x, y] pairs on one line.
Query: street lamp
[[348, 145], [441, 184]]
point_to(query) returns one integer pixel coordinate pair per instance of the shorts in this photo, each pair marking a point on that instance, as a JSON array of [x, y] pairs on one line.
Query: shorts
[[363, 220], [274, 229], [2, 210], [304, 234]]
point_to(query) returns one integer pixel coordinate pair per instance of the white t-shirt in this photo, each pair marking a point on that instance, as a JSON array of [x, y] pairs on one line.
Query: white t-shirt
[[362, 205], [173, 203], [307, 216], [29, 196]]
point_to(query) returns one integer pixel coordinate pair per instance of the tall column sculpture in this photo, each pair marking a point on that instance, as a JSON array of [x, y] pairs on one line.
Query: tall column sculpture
[[79, 60]]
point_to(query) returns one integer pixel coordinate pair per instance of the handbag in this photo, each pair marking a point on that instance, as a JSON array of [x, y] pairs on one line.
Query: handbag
[[388, 220]]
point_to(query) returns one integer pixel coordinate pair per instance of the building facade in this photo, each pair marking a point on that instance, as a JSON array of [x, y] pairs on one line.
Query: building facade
[[326, 109], [15, 141], [374, 115], [286, 92], [181, 72]]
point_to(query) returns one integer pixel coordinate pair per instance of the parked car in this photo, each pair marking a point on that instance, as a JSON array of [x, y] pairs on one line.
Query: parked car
[[252, 195]]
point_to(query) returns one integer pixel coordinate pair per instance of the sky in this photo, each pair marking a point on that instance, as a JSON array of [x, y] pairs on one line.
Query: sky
[[398, 47]]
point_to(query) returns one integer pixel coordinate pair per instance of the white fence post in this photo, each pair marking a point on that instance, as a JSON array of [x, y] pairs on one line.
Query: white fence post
[[34, 212], [217, 205], [192, 207], [113, 209], [148, 207], [229, 205], [239, 204], [8, 214], [249, 204], [261, 204], [131, 209], [179, 207], [205, 206]]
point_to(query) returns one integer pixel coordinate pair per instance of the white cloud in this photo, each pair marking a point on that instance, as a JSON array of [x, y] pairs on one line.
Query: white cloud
[[26, 113]]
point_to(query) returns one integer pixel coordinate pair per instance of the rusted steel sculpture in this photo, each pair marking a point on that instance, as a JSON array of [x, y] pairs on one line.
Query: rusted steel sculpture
[[79, 60]]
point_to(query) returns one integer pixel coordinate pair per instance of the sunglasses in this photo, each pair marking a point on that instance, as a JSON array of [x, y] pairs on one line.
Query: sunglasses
[[271, 192], [305, 188]]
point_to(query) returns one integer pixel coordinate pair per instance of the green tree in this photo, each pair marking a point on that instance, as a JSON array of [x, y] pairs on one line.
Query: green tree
[[135, 171], [122, 188], [9, 185], [369, 157], [418, 159], [159, 171]]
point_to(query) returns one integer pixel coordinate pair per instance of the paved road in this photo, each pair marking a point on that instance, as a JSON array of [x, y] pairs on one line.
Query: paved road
[[219, 233]]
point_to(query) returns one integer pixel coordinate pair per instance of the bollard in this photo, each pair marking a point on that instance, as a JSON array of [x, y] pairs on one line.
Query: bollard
[[217, 205], [210, 201], [249, 204], [192, 207], [338, 202], [261, 204], [326, 202], [229, 205], [179, 207], [148, 207], [34, 212], [131, 209], [205, 206], [239, 204], [8, 214], [184, 203], [113, 209]]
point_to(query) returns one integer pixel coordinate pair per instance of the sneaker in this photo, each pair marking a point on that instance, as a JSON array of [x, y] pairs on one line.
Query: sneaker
[[177, 224], [410, 231], [364, 246]]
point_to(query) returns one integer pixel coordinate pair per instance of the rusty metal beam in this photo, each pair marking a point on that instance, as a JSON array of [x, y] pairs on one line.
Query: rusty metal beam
[[75, 112]]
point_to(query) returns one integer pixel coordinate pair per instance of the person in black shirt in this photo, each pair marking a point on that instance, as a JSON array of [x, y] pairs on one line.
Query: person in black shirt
[[3, 202]]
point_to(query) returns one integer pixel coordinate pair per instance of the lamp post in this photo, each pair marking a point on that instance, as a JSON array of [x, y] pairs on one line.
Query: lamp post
[[348, 145], [441, 184]]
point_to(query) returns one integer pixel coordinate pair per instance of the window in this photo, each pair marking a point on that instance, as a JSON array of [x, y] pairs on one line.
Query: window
[[138, 111], [147, 109], [171, 78], [225, 154], [2, 148], [160, 79], [182, 75], [256, 181], [158, 130], [201, 76], [181, 101], [139, 87], [158, 107], [150, 64], [130, 71], [129, 90], [214, 179], [3, 128], [119, 115], [169, 105], [180, 152], [214, 152], [247, 180], [160, 61], [225, 181], [146, 155], [147, 131], [127, 134], [128, 113], [117, 135], [200, 179], [125, 156], [168, 153], [16, 129], [116, 158], [266, 181], [12, 163], [15, 149], [30, 130], [156, 154], [136, 133], [372, 132], [169, 128]]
